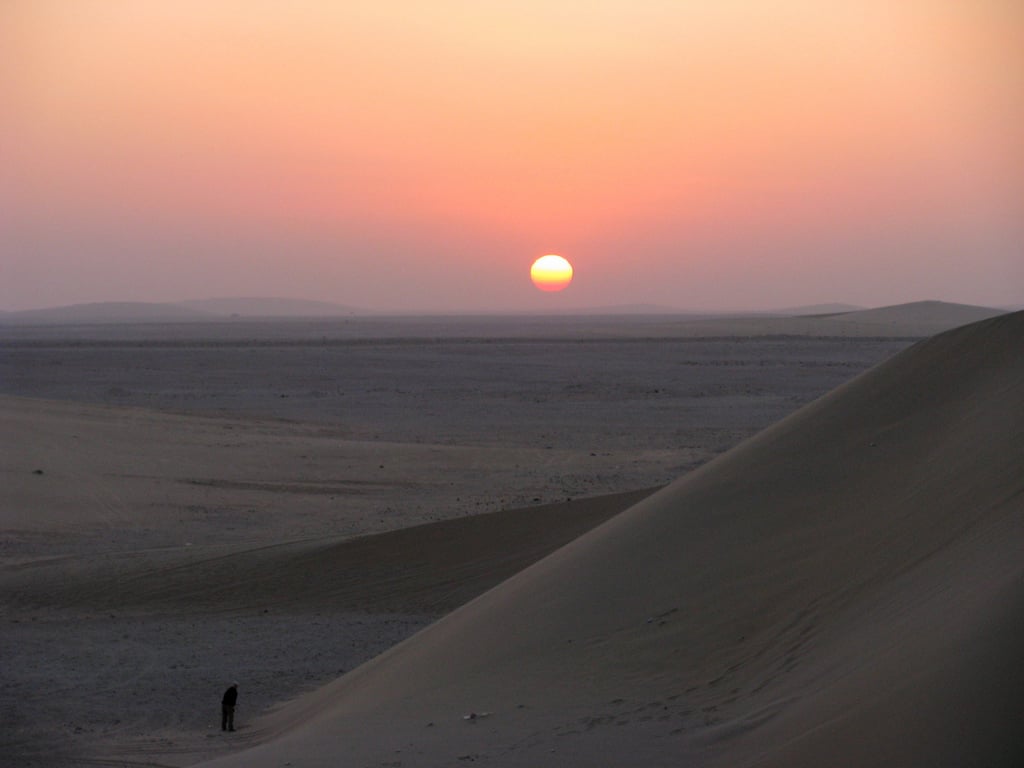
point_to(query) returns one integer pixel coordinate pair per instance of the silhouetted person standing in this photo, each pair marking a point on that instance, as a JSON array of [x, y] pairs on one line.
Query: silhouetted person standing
[[227, 708]]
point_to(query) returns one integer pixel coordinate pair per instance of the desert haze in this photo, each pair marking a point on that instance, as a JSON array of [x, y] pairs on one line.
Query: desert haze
[[650, 541]]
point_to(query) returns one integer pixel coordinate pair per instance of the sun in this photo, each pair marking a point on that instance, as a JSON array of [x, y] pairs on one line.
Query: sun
[[551, 273]]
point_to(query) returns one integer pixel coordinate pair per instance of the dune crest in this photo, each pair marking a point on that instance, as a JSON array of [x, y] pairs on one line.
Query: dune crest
[[843, 589]]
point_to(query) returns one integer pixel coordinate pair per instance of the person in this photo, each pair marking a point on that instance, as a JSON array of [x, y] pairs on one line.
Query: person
[[227, 708]]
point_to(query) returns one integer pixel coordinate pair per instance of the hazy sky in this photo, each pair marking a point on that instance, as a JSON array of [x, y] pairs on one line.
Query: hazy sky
[[419, 155]]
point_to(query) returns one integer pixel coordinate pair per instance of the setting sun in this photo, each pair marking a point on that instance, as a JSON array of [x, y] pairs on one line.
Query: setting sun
[[551, 273]]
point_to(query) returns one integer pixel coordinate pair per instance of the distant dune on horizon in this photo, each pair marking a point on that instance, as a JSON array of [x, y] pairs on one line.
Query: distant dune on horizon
[[922, 311]]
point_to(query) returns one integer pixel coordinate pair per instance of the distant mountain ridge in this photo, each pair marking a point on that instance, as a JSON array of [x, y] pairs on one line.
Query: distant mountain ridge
[[833, 308], [272, 306], [106, 312], [199, 310]]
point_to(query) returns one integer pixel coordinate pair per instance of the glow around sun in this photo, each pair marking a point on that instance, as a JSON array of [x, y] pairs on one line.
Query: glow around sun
[[551, 273]]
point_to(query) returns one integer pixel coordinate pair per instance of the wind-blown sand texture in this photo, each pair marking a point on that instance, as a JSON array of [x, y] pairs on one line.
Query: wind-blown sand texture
[[843, 589], [151, 557]]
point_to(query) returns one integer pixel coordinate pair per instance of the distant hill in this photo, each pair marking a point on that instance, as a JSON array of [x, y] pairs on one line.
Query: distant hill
[[914, 320], [110, 312], [106, 312], [821, 309], [244, 306], [930, 313]]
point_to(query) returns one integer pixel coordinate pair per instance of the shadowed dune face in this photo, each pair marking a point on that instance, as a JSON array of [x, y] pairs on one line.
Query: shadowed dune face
[[845, 588]]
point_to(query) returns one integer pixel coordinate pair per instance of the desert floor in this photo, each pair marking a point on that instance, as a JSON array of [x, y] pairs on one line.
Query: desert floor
[[184, 506]]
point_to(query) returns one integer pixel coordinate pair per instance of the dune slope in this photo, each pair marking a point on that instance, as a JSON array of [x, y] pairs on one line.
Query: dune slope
[[843, 589]]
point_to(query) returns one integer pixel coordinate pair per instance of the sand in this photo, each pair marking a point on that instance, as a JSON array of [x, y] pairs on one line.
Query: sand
[[842, 589], [192, 527]]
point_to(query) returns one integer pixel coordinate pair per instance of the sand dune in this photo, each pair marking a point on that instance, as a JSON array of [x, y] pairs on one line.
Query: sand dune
[[928, 314], [88, 478], [914, 320], [424, 569], [843, 589]]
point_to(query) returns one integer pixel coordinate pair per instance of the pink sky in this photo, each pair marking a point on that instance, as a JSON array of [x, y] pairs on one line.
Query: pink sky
[[419, 156]]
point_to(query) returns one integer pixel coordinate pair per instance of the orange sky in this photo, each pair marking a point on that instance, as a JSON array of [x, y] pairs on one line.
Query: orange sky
[[411, 155]]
